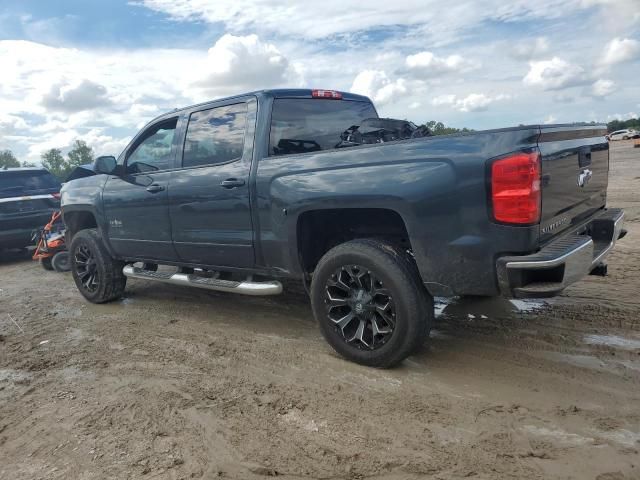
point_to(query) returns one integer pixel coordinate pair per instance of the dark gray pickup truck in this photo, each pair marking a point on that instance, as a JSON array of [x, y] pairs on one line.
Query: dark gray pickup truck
[[237, 194]]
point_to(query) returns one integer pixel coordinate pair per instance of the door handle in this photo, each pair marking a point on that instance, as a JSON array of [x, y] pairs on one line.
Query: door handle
[[232, 183], [154, 188]]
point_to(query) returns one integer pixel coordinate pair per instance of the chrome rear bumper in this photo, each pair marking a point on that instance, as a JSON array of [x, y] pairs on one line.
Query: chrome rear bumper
[[563, 261]]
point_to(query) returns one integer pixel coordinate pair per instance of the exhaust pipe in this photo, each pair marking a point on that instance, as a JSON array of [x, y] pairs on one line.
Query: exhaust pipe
[[246, 287]]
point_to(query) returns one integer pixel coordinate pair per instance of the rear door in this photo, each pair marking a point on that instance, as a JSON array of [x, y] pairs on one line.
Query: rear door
[[209, 194], [575, 169], [27, 200], [136, 203]]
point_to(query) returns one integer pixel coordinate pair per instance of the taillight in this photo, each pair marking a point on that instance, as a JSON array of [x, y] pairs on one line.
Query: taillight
[[56, 196], [515, 188], [330, 94]]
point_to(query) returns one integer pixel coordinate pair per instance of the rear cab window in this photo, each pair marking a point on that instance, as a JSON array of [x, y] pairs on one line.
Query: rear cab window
[[29, 182], [301, 125]]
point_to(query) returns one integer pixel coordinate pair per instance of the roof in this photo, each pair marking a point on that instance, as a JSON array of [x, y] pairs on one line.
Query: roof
[[271, 93], [24, 169]]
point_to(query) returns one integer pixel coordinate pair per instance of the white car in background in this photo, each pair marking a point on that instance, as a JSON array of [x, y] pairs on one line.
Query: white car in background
[[625, 134]]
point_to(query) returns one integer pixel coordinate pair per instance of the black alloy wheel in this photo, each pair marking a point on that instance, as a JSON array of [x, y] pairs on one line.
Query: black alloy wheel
[[360, 307], [86, 268]]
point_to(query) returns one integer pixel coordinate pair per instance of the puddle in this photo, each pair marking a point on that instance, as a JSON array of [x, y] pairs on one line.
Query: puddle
[[10, 375], [623, 437], [480, 308], [560, 436], [612, 341], [529, 305]]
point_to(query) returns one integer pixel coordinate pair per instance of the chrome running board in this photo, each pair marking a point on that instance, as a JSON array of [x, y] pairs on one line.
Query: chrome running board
[[246, 287]]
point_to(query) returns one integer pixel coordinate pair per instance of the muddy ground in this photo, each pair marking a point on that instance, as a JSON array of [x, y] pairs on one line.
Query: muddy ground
[[176, 383]]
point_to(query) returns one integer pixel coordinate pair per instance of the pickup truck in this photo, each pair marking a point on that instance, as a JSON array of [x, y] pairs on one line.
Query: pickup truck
[[240, 193]]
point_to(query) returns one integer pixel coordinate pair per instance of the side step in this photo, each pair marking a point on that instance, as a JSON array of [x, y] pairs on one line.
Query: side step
[[246, 287]]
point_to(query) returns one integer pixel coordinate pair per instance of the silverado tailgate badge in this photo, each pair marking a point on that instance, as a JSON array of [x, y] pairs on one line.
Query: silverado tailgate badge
[[584, 176]]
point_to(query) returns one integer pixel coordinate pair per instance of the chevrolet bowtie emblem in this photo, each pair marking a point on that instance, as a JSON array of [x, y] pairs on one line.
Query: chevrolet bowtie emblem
[[584, 176]]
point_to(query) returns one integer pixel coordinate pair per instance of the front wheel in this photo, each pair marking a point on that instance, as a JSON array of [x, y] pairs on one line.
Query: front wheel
[[370, 304], [99, 277]]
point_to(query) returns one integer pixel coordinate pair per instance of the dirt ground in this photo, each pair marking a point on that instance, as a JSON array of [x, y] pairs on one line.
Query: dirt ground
[[177, 383]]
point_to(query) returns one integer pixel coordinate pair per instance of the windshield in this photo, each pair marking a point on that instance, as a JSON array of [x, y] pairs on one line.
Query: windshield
[[307, 125], [16, 184]]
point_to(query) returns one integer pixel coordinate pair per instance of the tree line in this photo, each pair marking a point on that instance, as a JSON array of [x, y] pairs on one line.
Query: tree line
[[53, 160]]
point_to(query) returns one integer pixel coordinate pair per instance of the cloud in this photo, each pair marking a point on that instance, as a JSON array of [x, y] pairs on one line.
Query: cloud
[[622, 116], [83, 95], [427, 20], [427, 64], [240, 63], [554, 74], [550, 120], [602, 88], [474, 102], [378, 86], [530, 49], [11, 123], [620, 50]]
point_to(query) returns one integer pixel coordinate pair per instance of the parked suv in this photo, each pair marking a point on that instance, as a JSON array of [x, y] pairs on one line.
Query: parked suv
[[238, 193], [28, 197], [624, 134]]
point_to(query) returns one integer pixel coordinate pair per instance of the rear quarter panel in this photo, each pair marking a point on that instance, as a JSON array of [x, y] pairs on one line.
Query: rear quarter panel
[[436, 184]]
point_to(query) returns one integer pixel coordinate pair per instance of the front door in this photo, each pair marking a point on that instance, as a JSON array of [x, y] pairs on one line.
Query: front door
[[209, 195], [136, 202]]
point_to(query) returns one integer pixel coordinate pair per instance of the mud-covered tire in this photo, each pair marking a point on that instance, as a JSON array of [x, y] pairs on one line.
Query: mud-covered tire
[[89, 256], [60, 262], [46, 263], [396, 273]]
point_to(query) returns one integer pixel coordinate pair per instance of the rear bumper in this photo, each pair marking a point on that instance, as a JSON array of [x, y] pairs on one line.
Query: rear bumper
[[563, 261]]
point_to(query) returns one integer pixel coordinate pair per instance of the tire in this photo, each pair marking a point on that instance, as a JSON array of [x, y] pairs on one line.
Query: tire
[[99, 277], [625, 138], [393, 296], [60, 262], [46, 263]]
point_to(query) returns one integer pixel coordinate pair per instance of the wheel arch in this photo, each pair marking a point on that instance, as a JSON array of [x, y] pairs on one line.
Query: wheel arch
[[319, 230]]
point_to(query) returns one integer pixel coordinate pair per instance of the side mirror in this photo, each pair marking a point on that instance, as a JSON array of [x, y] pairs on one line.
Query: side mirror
[[106, 164]]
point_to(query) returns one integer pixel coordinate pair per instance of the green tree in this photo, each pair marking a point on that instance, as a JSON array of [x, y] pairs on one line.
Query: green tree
[[439, 128], [80, 154], [614, 125], [8, 159], [28, 164], [53, 161]]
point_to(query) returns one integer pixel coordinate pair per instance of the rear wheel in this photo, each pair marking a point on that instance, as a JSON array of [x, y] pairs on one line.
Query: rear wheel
[[60, 262], [99, 277], [46, 263], [370, 304]]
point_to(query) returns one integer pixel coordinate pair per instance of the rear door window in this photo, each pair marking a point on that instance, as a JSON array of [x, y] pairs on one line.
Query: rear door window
[[307, 125], [15, 184], [215, 136]]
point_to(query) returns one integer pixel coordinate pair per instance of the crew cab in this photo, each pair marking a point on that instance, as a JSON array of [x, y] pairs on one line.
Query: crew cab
[[28, 197], [239, 193]]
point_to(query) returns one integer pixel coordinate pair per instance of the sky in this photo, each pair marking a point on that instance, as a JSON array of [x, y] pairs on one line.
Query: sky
[[99, 70]]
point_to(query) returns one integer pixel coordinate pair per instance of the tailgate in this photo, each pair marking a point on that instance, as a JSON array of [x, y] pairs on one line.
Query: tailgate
[[575, 168]]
